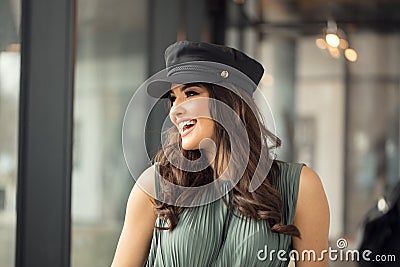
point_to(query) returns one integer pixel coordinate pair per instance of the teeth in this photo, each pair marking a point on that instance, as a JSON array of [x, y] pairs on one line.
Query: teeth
[[184, 123]]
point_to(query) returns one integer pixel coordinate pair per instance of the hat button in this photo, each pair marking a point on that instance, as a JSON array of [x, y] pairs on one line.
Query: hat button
[[224, 74]]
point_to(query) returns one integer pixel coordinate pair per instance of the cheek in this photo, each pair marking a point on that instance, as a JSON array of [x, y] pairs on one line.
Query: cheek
[[207, 127], [198, 107]]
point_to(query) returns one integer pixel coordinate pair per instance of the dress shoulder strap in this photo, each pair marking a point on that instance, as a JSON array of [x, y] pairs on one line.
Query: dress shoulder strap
[[288, 185]]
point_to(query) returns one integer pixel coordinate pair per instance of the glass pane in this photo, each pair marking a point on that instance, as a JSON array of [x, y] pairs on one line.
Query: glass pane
[[9, 105], [374, 115], [346, 99], [110, 64]]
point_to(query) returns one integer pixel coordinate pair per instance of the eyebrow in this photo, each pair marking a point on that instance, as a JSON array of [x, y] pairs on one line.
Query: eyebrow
[[187, 85]]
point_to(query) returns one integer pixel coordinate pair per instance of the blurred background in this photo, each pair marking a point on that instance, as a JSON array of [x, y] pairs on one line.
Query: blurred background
[[332, 79]]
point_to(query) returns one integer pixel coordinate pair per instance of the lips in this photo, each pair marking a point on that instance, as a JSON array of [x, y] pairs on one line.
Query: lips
[[185, 127]]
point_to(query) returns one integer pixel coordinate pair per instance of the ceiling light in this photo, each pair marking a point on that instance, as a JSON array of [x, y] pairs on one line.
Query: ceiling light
[[343, 44], [320, 43], [350, 54], [332, 39], [336, 43]]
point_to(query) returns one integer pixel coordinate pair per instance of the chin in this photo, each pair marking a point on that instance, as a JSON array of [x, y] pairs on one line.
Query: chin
[[190, 146]]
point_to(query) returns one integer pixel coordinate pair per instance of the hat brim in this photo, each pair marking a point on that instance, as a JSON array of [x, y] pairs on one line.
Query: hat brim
[[198, 72], [160, 87]]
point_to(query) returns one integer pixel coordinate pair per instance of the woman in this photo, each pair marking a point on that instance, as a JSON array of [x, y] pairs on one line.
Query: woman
[[218, 197]]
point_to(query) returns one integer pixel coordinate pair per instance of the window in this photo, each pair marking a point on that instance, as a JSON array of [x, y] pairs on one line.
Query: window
[[9, 105]]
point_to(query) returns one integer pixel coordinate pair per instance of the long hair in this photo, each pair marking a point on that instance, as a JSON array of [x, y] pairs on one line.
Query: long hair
[[265, 203]]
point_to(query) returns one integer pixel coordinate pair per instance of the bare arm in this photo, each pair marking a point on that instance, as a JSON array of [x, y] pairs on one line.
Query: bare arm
[[312, 219], [135, 240]]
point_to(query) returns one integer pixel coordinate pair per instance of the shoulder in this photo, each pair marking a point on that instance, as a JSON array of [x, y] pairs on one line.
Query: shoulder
[[140, 216], [312, 204], [311, 217], [145, 183], [310, 186]]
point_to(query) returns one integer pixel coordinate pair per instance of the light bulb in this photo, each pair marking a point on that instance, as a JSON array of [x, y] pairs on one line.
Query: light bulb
[[343, 44], [350, 54], [335, 53], [332, 39], [320, 43]]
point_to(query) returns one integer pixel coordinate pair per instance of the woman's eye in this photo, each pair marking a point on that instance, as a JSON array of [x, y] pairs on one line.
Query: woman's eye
[[191, 93], [171, 98]]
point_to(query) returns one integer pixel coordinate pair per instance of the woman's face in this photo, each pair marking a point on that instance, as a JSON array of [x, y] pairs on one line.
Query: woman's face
[[190, 113]]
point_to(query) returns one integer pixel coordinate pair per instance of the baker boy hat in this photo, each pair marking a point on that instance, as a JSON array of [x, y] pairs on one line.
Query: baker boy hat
[[191, 62]]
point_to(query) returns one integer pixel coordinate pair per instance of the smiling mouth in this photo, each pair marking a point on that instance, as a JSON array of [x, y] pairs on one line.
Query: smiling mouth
[[187, 126]]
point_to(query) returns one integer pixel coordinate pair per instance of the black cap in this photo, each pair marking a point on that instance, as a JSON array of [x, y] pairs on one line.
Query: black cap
[[189, 61]]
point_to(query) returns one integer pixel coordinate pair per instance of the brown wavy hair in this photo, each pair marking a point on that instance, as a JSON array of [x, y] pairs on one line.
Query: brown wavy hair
[[265, 203]]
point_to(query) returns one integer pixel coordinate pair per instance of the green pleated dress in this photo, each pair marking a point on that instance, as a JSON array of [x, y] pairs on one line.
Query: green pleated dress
[[210, 235]]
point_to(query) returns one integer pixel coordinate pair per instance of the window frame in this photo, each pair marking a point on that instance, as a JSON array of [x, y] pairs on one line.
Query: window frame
[[45, 133]]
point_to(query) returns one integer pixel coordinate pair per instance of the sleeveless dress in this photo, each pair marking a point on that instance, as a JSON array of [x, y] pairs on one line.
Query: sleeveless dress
[[210, 235]]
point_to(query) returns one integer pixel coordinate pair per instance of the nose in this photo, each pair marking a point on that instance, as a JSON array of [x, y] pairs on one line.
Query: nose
[[176, 111]]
